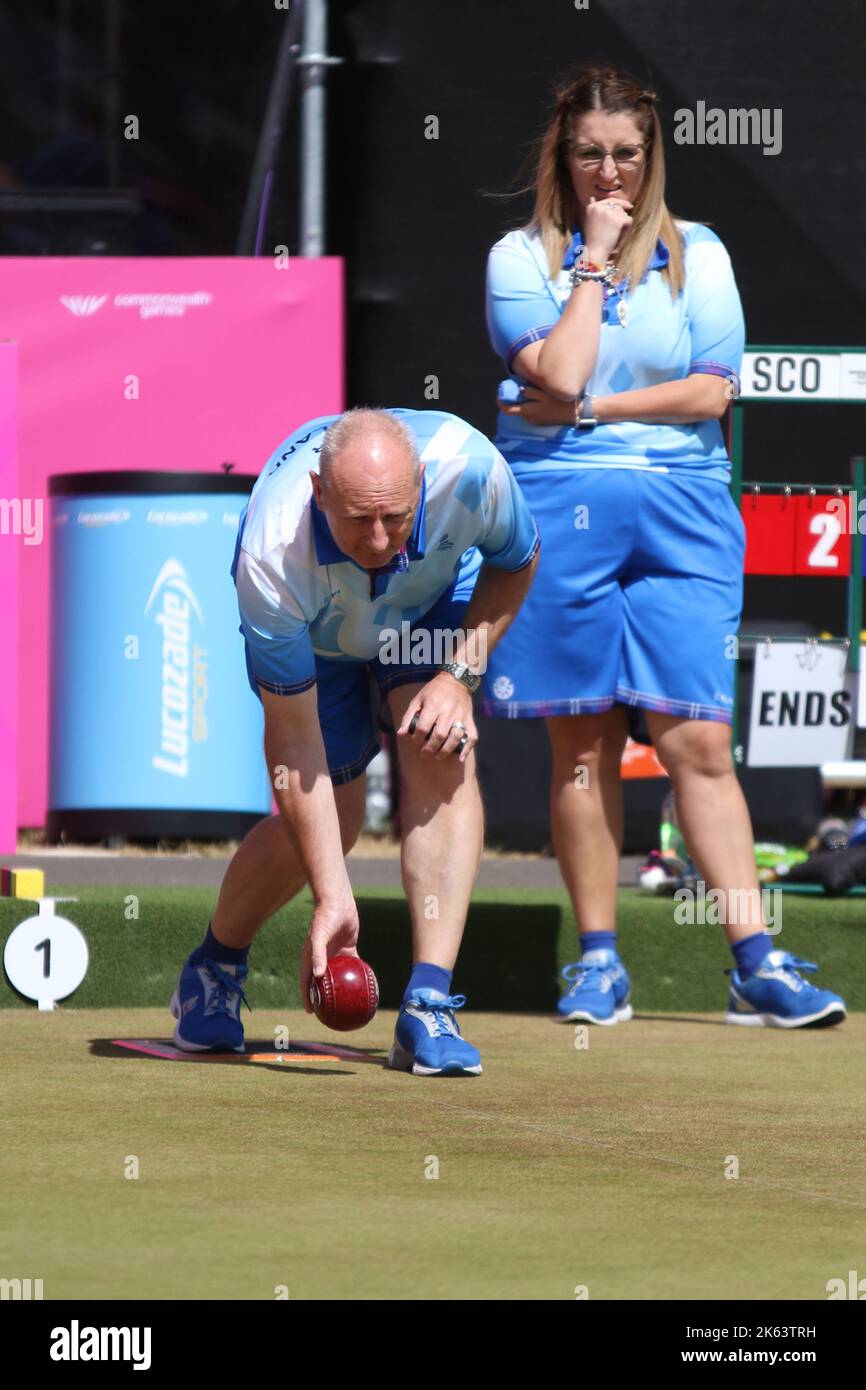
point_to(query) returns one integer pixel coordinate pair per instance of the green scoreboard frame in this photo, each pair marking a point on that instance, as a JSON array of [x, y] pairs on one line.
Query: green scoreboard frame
[[815, 376]]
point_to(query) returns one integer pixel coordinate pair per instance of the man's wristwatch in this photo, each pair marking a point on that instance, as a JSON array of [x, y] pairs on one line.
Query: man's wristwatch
[[461, 672]]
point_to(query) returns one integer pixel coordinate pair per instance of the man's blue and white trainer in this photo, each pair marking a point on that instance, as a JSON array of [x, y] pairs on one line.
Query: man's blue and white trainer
[[427, 1039], [599, 990], [207, 1006], [776, 996]]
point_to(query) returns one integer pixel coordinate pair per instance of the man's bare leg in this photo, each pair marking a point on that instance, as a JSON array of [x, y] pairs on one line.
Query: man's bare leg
[[266, 871], [442, 827], [442, 830]]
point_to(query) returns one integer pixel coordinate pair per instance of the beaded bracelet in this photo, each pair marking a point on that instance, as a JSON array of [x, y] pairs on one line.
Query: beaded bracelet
[[594, 273]]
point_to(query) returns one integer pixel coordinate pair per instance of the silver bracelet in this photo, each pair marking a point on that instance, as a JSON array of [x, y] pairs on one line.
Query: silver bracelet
[[578, 275], [585, 420]]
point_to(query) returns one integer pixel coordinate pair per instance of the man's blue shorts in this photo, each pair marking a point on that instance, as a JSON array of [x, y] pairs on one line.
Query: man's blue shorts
[[352, 695], [636, 600]]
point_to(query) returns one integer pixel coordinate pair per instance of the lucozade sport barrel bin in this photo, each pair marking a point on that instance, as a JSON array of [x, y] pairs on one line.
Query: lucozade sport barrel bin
[[154, 730]]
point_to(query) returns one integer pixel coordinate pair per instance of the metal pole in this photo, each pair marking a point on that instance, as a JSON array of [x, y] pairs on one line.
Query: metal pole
[[735, 450], [111, 106], [313, 60], [257, 206], [855, 579]]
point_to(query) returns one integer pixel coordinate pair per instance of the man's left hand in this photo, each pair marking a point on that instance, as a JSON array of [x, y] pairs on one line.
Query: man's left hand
[[444, 709]]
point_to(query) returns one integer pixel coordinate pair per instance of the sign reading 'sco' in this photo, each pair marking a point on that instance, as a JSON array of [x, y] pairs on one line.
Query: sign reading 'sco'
[[780, 374]]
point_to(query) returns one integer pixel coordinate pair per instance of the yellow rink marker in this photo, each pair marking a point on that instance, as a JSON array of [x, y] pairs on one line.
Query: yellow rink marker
[[293, 1057], [270, 1057], [22, 883]]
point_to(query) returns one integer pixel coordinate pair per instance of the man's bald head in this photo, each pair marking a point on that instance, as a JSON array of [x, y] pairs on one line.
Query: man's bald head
[[368, 484], [381, 436]]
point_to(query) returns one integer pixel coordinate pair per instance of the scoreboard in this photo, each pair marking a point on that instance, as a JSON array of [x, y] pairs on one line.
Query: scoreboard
[[797, 530], [806, 529], [803, 374], [800, 535]]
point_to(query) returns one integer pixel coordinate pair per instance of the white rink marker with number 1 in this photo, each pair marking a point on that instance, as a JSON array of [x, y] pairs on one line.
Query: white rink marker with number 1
[[46, 957]]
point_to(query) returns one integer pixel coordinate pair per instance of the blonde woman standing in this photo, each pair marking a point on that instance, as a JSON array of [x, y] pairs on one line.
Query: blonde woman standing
[[622, 332]]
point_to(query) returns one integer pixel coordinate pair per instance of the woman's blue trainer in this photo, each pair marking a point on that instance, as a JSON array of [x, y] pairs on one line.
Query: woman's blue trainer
[[599, 990], [776, 996]]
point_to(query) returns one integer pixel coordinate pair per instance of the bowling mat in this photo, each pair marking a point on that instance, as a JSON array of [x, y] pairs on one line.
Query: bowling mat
[[257, 1051]]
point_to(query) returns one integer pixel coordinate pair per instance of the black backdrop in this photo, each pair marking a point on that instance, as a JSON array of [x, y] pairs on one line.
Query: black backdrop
[[415, 218]]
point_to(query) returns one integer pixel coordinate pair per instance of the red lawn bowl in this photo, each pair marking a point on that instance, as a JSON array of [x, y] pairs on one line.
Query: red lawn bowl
[[347, 995]]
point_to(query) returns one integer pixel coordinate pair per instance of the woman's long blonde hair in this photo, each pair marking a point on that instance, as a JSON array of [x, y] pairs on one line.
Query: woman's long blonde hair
[[556, 212]]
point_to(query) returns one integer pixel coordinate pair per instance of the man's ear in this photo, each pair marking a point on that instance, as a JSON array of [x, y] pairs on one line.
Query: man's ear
[[317, 487]]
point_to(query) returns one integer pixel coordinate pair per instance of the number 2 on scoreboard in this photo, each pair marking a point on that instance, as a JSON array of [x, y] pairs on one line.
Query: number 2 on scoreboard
[[826, 527]]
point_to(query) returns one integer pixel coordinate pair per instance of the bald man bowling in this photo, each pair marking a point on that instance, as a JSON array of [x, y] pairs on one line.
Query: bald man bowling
[[362, 527]]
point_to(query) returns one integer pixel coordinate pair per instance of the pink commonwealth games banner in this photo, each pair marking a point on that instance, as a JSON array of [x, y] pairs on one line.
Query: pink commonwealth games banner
[[179, 363], [10, 528]]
